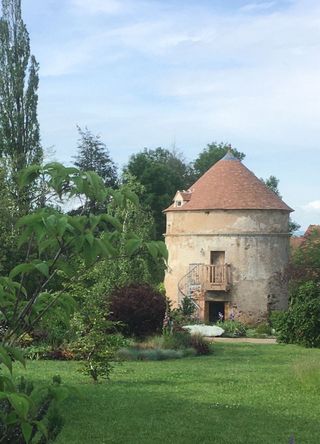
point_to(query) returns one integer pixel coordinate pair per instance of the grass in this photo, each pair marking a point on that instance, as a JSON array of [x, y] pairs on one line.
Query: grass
[[244, 393]]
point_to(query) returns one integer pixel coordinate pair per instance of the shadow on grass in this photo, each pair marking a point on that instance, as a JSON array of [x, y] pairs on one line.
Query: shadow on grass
[[118, 416]]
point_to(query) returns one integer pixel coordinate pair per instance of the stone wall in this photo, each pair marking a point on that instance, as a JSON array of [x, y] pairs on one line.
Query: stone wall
[[256, 244]]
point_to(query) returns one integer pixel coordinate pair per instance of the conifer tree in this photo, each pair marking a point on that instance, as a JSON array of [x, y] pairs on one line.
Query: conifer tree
[[93, 155]]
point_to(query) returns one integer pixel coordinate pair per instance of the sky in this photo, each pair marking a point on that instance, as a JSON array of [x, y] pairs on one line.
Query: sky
[[185, 73]]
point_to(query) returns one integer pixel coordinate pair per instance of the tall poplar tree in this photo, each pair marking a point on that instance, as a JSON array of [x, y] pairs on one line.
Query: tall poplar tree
[[19, 127]]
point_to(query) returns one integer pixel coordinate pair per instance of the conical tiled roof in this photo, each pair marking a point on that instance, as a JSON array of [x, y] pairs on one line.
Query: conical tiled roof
[[229, 185]]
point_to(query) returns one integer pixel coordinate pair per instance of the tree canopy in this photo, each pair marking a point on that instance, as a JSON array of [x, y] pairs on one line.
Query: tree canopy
[[211, 155], [19, 127], [93, 155], [162, 173], [272, 183]]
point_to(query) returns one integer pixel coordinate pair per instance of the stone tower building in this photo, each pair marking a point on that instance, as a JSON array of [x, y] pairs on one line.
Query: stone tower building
[[228, 245]]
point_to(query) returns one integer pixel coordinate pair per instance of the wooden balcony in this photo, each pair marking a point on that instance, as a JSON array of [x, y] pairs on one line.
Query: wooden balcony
[[216, 277], [205, 278]]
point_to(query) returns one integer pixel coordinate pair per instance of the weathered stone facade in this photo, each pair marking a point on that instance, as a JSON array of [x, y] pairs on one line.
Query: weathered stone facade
[[254, 243]]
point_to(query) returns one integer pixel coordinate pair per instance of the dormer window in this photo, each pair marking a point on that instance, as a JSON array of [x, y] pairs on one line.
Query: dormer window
[[181, 198]]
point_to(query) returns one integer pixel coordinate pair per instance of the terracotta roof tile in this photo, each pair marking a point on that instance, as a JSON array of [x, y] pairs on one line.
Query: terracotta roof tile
[[185, 195], [296, 242], [312, 230], [312, 234], [229, 185]]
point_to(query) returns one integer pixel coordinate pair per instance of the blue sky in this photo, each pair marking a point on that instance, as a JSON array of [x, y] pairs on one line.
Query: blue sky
[[186, 72]]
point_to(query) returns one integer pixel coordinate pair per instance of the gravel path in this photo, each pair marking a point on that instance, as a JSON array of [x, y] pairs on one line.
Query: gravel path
[[248, 340]]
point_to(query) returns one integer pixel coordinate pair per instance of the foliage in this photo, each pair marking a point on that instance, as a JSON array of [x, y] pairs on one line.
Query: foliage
[[94, 156], [180, 340], [31, 414], [97, 348], [36, 352], [139, 307], [162, 173], [293, 226], [177, 340], [306, 260], [185, 314], [8, 218], [152, 354], [200, 344], [211, 155], [96, 337], [263, 329], [178, 344], [94, 283], [232, 328], [19, 127], [187, 306], [53, 240], [272, 183], [275, 318], [301, 323]]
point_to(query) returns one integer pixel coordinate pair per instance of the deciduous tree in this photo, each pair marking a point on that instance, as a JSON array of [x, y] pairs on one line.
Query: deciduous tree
[[272, 182], [19, 126], [162, 173], [211, 155]]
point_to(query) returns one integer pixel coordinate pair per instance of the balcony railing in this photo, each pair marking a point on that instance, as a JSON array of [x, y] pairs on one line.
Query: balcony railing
[[203, 277], [216, 277]]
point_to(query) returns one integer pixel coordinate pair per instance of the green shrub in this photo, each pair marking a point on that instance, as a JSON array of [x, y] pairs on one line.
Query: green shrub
[[43, 410], [169, 346], [200, 344], [232, 329], [301, 323], [263, 329], [177, 340], [150, 343], [188, 306], [276, 319], [140, 308], [153, 354]]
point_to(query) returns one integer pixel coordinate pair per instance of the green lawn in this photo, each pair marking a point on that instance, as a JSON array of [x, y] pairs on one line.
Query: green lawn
[[244, 393]]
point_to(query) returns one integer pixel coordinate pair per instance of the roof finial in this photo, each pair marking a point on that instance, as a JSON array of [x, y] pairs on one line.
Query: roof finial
[[229, 155]]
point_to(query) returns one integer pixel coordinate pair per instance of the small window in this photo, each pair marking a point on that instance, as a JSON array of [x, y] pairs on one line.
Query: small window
[[178, 203]]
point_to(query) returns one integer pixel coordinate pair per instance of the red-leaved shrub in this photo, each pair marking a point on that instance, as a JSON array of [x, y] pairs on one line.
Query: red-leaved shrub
[[139, 307]]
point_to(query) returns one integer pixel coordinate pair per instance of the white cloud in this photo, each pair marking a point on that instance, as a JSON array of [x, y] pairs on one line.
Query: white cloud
[[312, 206], [166, 70], [254, 7], [98, 6]]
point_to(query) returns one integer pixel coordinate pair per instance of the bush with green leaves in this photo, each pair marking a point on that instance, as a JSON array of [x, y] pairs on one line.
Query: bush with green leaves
[[153, 354], [200, 344], [263, 329], [175, 345], [31, 414], [232, 328], [97, 343], [139, 307], [183, 340], [52, 241], [301, 323]]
